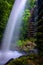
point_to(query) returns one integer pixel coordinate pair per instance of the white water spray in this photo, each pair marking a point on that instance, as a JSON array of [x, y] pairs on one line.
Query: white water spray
[[18, 8], [14, 19]]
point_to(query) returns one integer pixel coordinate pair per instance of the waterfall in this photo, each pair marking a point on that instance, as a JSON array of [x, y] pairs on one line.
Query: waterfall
[[13, 24], [12, 29]]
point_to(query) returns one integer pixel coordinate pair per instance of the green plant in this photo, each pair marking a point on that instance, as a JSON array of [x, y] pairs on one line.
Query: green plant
[[19, 43], [5, 9], [32, 3], [24, 28]]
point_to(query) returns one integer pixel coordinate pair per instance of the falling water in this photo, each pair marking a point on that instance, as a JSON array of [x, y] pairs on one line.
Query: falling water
[[13, 23], [13, 26]]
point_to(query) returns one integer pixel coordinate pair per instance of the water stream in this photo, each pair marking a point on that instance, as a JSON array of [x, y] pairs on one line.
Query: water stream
[[12, 28], [14, 23]]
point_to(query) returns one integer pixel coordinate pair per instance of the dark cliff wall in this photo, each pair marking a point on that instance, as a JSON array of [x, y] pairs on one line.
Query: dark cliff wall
[[40, 27]]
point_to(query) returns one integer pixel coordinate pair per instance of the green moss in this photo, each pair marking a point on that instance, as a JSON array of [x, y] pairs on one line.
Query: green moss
[[24, 60], [5, 9]]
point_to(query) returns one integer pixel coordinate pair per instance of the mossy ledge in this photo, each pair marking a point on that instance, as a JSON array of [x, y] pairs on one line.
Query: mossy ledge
[[26, 60]]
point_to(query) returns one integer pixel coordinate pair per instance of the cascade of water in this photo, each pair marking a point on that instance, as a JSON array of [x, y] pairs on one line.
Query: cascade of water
[[18, 8], [14, 23]]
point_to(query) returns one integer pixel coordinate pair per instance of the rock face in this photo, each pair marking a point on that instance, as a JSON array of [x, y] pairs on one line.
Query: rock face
[[39, 41], [9, 61], [27, 46], [30, 45], [31, 27]]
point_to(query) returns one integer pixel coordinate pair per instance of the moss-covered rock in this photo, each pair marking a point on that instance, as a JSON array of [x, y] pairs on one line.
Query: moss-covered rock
[[25, 60], [26, 45]]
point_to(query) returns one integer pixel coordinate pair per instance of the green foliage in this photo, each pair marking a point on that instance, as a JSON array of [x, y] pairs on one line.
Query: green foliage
[[32, 3], [19, 43], [10, 1], [20, 61], [32, 39], [24, 28], [5, 8], [22, 42], [25, 45]]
